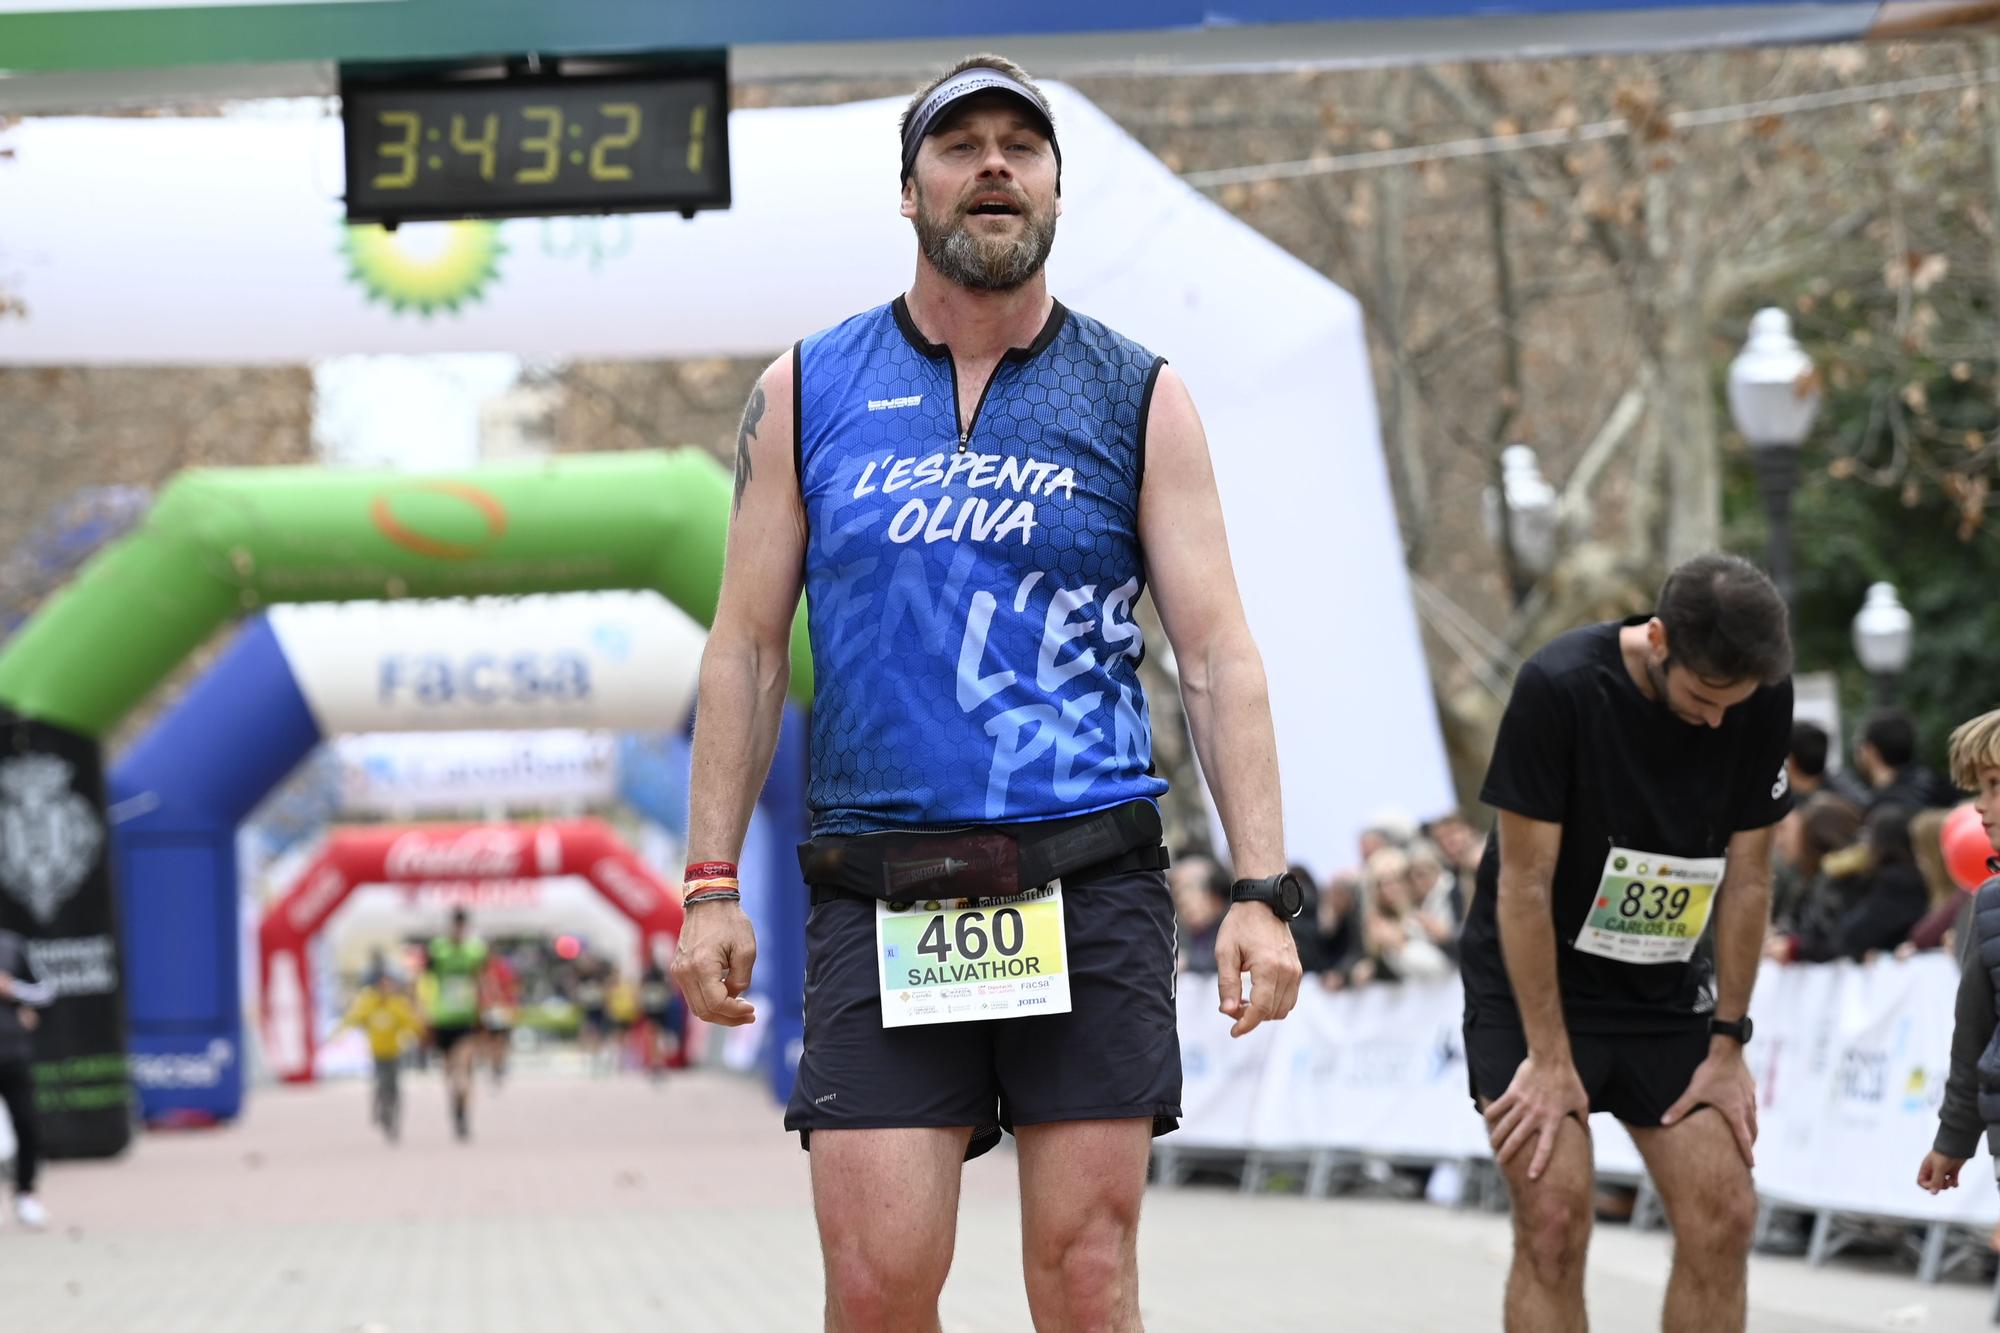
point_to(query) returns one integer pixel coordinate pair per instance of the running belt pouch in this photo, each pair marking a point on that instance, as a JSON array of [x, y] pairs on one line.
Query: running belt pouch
[[986, 863]]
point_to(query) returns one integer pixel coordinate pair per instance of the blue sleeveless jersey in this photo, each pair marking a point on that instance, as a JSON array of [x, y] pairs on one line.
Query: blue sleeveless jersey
[[975, 658]]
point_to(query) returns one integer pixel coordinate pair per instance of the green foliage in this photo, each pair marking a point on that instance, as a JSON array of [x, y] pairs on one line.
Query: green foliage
[[1891, 487]]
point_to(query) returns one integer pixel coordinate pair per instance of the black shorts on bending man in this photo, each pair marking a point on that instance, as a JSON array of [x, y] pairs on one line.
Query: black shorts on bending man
[[1616, 929]]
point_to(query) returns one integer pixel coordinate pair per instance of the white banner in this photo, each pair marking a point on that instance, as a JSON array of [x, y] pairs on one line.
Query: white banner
[[1388, 1062], [624, 661], [1852, 1088], [1221, 1076], [1850, 1064], [1379, 1070], [412, 773]]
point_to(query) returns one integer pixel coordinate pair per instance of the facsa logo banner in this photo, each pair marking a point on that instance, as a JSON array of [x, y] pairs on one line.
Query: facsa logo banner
[[482, 680], [619, 661], [183, 1069]]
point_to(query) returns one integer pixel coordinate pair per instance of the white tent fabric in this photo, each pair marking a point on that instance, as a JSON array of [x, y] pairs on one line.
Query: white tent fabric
[[218, 241]]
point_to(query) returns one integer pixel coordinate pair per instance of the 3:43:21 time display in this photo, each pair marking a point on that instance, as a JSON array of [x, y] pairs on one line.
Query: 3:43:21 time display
[[542, 145]]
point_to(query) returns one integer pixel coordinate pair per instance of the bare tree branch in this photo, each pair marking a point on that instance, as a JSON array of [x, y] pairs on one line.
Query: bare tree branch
[[1399, 415], [1571, 505], [1731, 277]]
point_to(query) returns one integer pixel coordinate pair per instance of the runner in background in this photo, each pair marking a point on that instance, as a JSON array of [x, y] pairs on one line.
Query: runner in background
[[657, 1010], [23, 995], [499, 1004], [621, 1007], [384, 1014], [594, 1025], [456, 960]]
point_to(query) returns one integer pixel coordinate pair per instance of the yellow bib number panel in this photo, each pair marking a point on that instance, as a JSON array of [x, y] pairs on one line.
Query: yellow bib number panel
[[1650, 908], [961, 959]]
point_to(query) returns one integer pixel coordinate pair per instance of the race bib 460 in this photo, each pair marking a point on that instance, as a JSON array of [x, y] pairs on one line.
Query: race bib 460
[[961, 959], [1650, 908]]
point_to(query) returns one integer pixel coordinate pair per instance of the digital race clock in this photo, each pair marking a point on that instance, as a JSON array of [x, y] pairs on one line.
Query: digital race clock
[[524, 139]]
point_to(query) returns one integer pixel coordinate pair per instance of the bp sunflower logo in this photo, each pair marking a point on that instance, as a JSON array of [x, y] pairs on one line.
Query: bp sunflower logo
[[424, 267]]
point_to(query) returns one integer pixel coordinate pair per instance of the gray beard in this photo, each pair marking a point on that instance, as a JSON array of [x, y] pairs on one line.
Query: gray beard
[[985, 265]]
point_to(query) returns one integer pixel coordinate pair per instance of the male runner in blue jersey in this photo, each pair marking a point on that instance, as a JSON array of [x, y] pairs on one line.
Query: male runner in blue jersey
[[973, 485]]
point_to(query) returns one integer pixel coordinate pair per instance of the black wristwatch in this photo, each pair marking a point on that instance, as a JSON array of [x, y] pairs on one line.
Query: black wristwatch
[[1283, 894], [1740, 1029]]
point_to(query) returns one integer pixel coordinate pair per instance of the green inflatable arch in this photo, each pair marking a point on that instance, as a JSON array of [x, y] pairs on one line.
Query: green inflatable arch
[[219, 544], [223, 542]]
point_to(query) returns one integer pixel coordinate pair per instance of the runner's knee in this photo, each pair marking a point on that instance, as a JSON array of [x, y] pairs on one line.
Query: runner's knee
[[1088, 1268], [1721, 1222], [1552, 1232], [884, 1286]]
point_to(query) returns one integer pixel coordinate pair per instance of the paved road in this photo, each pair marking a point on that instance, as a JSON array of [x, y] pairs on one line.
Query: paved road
[[606, 1205]]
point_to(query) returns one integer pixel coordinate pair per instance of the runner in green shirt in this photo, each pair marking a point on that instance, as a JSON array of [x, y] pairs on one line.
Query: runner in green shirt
[[455, 961]]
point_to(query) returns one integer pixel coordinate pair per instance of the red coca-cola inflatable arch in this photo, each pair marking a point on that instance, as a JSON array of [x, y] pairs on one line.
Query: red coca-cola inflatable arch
[[427, 854]]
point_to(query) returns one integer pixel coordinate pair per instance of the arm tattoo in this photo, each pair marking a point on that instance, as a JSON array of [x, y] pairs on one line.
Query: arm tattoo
[[753, 412]]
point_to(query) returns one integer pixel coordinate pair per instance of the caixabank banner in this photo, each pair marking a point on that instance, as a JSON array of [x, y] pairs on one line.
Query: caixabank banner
[[55, 892]]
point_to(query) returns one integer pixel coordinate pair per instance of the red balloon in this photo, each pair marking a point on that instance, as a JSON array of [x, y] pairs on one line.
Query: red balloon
[[1966, 847]]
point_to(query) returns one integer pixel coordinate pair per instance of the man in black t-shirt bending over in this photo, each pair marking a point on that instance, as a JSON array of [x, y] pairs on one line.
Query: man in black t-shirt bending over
[[1639, 772]]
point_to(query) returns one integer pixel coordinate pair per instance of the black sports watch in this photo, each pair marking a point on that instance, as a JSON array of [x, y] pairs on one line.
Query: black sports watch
[[1740, 1029], [1283, 894]]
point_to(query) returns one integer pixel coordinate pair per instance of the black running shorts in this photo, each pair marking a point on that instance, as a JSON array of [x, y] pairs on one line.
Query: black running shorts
[[447, 1035], [1116, 1055], [1635, 1077]]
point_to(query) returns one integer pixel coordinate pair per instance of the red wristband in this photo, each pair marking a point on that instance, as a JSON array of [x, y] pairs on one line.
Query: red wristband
[[708, 870]]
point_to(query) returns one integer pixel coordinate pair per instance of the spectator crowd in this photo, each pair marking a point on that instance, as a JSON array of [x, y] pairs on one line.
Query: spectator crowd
[[1860, 870], [1395, 917]]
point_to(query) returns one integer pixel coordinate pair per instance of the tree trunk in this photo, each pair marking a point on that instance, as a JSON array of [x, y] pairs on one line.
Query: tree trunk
[[1676, 345], [1399, 408], [1989, 117]]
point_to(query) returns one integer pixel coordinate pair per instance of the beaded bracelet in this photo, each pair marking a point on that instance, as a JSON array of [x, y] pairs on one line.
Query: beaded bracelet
[[703, 886]]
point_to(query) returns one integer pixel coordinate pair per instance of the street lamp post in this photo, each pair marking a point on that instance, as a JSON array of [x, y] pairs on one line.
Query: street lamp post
[[1882, 639], [1774, 397], [1523, 518]]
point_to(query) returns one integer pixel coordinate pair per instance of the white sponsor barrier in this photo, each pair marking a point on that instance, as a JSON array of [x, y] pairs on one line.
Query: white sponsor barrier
[[1850, 1063]]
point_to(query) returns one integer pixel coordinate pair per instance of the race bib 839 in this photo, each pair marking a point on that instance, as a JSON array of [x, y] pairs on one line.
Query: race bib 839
[[1650, 908]]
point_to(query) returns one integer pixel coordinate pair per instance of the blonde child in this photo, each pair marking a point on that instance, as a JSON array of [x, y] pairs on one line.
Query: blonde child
[[1972, 1090]]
